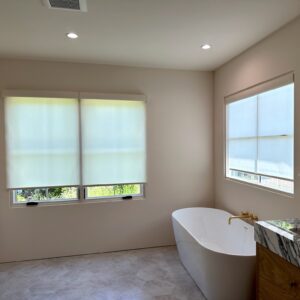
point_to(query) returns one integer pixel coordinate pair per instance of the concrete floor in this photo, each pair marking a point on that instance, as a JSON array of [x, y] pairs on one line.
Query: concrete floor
[[154, 273]]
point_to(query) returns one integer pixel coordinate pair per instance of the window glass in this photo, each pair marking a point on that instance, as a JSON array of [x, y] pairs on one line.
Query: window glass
[[260, 139], [242, 118], [114, 191], [276, 112], [276, 156], [46, 194], [242, 154]]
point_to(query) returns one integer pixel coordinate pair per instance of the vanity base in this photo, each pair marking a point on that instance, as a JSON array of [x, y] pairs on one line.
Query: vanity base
[[277, 279]]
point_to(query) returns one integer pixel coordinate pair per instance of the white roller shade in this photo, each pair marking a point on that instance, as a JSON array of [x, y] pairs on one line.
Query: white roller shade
[[113, 141], [276, 132], [260, 133], [242, 134], [42, 142], [265, 86]]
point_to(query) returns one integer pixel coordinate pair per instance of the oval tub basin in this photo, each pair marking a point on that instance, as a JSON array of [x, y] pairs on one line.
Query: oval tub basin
[[219, 257]]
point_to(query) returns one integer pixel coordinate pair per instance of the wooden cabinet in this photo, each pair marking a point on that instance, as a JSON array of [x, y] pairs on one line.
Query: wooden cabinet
[[277, 279]]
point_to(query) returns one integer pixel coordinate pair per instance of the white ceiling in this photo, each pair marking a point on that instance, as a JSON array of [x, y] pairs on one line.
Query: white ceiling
[[150, 33]]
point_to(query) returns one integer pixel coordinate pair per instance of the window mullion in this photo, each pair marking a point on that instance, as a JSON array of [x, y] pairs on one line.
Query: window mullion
[[257, 132], [81, 188]]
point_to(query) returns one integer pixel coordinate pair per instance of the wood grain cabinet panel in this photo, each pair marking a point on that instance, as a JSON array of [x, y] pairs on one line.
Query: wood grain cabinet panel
[[277, 279]]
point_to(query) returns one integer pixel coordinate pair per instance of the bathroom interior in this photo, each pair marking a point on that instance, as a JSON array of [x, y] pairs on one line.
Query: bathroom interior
[[149, 149]]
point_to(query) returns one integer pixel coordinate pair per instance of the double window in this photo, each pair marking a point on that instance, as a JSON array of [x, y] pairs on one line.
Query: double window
[[260, 135], [74, 146]]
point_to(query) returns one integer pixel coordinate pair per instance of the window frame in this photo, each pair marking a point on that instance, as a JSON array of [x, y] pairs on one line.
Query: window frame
[[141, 195], [55, 200], [81, 188], [255, 90], [81, 197]]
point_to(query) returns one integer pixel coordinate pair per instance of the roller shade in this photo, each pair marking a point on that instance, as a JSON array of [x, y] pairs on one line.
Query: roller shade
[[113, 141], [265, 86], [260, 133], [42, 142]]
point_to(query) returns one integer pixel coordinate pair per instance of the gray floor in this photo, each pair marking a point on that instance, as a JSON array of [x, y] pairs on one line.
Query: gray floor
[[134, 275]]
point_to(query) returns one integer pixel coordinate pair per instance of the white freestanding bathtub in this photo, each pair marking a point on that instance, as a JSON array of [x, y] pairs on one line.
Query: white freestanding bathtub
[[219, 257]]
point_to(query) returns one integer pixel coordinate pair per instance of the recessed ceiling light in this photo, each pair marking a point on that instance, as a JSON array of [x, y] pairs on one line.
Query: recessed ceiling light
[[206, 46], [72, 35]]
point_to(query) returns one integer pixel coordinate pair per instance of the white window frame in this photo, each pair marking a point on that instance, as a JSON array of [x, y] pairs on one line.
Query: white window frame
[[82, 198], [55, 200], [140, 195], [276, 82], [81, 188]]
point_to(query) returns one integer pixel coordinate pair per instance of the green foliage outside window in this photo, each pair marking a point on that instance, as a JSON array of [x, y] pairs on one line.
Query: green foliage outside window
[[69, 193], [113, 190]]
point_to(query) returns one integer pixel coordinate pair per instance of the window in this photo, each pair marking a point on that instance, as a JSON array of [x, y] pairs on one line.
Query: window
[[45, 194], [112, 191], [57, 147], [260, 135]]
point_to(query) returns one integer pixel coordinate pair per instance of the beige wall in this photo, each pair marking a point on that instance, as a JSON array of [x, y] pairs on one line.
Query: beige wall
[[180, 140], [180, 147], [277, 54]]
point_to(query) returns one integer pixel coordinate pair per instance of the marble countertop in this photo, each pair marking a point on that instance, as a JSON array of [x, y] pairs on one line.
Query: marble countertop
[[281, 237]]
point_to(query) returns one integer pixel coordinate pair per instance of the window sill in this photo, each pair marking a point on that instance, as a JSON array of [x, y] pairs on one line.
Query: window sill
[[261, 187], [77, 202]]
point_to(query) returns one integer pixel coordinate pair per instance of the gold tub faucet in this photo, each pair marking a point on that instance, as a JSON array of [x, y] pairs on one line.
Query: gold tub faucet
[[244, 215]]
